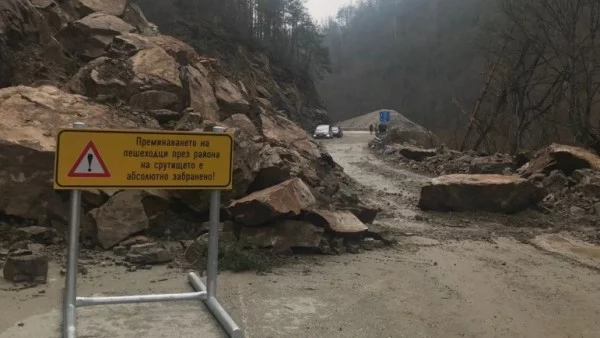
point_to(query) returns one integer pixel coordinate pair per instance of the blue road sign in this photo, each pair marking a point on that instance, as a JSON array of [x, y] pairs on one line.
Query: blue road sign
[[384, 116]]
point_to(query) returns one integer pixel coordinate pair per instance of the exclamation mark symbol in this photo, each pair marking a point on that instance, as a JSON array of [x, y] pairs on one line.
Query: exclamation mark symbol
[[90, 158]]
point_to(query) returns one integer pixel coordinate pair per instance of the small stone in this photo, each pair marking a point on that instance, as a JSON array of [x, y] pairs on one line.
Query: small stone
[[42, 292], [29, 268], [120, 250], [21, 324], [550, 199], [353, 247], [119, 263], [20, 252], [146, 267], [36, 234], [372, 243], [149, 253], [132, 268], [420, 218], [20, 245], [577, 211], [597, 208], [134, 241]]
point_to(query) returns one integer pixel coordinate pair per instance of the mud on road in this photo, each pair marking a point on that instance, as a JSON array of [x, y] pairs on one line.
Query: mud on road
[[461, 275]]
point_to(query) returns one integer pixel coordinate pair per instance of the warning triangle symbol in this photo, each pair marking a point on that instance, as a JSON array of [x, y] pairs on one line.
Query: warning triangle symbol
[[89, 164]]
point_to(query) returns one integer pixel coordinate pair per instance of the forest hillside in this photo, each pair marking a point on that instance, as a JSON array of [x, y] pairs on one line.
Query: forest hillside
[[494, 75]]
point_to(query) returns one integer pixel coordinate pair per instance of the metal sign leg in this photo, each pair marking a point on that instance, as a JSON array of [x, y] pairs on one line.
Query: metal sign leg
[[213, 245], [212, 267], [70, 298]]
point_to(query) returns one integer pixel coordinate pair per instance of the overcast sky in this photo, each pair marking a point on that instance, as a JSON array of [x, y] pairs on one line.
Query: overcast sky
[[321, 9]]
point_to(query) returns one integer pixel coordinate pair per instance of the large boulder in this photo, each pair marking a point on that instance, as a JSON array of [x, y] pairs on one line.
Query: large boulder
[[229, 97], [128, 44], [414, 153], [561, 157], [343, 222], [154, 68], [280, 131], [282, 235], [134, 16], [152, 100], [246, 164], [496, 164], [30, 117], [112, 7], [89, 36], [55, 15], [243, 123], [202, 97], [138, 72], [278, 164], [21, 26], [122, 216], [102, 78], [179, 50], [289, 198], [493, 193]]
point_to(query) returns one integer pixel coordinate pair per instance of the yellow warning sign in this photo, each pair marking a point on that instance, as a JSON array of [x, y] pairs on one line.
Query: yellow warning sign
[[130, 159]]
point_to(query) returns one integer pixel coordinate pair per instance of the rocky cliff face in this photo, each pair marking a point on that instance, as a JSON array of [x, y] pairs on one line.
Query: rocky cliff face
[[103, 63], [265, 80]]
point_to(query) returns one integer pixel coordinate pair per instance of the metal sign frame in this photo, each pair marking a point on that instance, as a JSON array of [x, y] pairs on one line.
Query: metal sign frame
[[206, 294]]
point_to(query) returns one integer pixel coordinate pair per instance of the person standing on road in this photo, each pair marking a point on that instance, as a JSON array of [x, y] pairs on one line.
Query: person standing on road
[[371, 129]]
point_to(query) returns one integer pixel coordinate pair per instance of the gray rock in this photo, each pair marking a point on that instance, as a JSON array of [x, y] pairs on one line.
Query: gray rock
[[577, 211], [36, 234], [29, 268], [282, 236], [149, 253], [493, 193], [122, 216], [120, 250]]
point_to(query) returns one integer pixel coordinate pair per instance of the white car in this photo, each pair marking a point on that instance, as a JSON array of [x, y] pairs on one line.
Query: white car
[[323, 131]]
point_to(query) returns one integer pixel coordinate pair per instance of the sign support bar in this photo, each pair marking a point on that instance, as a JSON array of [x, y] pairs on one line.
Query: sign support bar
[[207, 295], [69, 303]]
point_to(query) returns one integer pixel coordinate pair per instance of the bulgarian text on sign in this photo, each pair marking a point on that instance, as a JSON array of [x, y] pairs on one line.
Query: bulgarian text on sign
[[124, 159]]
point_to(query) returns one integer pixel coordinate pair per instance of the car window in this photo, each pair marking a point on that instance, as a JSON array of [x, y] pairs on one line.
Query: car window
[[322, 128]]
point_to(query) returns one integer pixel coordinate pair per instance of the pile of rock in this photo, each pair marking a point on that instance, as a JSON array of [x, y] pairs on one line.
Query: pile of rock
[[127, 75], [443, 161], [572, 177], [283, 218], [563, 178]]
